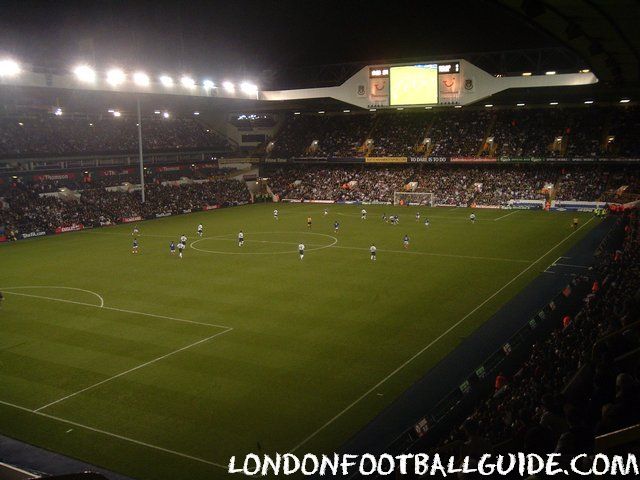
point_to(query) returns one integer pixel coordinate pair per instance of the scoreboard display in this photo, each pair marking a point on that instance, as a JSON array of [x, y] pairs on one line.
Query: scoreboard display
[[413, 85]]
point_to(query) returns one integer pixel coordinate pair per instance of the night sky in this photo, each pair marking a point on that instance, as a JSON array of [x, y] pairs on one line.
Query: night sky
[[240, 37]]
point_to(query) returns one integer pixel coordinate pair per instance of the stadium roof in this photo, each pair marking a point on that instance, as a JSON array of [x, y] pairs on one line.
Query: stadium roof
[[603, 32]]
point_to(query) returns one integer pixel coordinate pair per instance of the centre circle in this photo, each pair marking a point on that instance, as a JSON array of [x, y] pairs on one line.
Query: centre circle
[[264, 243]]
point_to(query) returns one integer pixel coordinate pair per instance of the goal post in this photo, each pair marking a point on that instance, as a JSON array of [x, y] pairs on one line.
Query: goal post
[[413, 198]]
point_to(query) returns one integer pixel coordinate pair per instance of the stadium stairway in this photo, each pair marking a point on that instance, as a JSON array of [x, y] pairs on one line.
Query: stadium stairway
[[35, 459]]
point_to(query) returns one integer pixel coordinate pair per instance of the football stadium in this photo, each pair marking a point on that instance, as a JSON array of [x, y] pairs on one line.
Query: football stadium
[[283, 239]]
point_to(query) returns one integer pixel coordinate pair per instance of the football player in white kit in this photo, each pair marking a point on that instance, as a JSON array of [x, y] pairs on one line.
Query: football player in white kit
[[363, 214], [183, 239], [372, 252], [472, 217], [240, 238], [180, 249], [275, 214], [301, 250], [200, 229]]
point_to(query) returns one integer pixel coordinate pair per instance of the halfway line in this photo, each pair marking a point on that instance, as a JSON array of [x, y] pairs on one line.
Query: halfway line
[[433, 254]]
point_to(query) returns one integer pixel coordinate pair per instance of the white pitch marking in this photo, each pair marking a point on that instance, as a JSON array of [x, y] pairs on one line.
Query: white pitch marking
[[335, 240], [142, 365], [114, 435], [94, 232], [433, 254], [133, 312], [505, 216], [60, 288], [249, 240], [434, 341]]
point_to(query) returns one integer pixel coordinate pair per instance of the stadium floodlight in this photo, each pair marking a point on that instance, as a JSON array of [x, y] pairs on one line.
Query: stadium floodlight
[[625, 100], [141, 79], [116, 113], [85, 73], [187, 82], [115, 77], [550, 72], [588, 102], [296, 113], [372, 109], [9, 68], [519, 104], [196, 113], [428, 108], [229, 87], [165, 114], [157, 112], [400, 108], [457, 106], [208, 85], [57, 112], [584, 70], [320, 112], [553, 103], [248, 88], [346, 111], [526, 74], [488, 105], [166, 81]]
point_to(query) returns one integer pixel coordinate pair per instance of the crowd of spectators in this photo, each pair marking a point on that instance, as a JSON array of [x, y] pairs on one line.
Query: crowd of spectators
[[27, 209], [459, 133], [623, 139], [521, 132], [60, 136], [450, 184], [579, 183], [574, 385], [399, 134]]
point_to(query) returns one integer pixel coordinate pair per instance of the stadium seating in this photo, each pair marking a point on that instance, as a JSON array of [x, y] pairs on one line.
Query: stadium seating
[[59, 136], [451, 184], [536, 132], [582, 381], [28, 211]]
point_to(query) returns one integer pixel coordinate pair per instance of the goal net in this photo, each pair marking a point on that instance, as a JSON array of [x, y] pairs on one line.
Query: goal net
[[413, 198]]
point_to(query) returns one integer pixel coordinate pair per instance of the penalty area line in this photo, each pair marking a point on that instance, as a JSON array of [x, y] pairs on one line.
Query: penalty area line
[[114, 435], [115, 309], [433, 342], [505, 216]]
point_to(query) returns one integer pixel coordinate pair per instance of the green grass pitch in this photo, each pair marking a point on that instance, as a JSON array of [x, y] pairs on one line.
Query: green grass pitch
[[160, 367]]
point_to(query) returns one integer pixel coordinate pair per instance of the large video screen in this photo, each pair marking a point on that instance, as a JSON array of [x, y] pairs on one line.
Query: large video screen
[[413, 85]]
